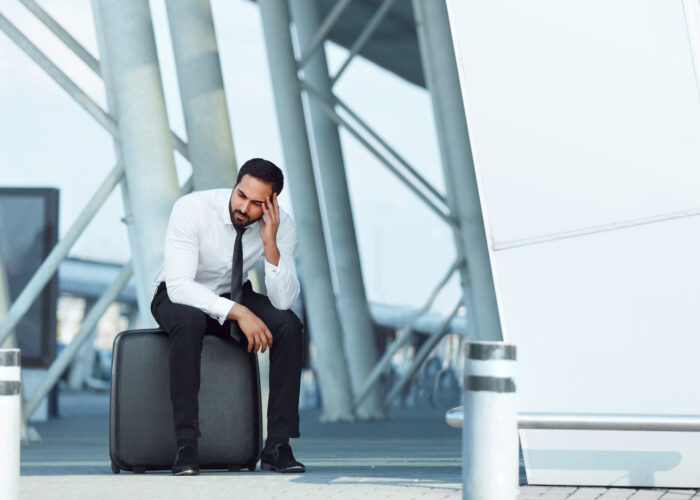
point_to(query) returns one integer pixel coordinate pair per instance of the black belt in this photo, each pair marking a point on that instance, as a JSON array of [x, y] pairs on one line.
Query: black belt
[[227, 295]]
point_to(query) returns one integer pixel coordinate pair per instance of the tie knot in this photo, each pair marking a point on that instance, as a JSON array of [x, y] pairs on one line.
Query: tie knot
[[239, 229]]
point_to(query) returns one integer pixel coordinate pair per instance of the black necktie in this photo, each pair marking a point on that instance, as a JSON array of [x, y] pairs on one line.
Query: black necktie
[[237, 278]]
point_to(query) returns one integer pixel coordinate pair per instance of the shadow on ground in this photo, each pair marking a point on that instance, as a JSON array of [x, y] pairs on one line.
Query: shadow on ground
[[412, 448]]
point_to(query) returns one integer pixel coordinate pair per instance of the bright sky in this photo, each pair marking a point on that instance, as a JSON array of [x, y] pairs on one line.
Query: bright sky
[[46, 139]]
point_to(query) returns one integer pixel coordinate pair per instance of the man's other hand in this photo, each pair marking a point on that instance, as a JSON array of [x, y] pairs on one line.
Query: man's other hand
[[257, 333]]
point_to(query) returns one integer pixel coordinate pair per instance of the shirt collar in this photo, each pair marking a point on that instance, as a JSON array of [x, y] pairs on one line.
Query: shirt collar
[[224, 211]]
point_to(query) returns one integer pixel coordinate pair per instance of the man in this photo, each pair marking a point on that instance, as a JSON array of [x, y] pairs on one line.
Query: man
[[193, 299]]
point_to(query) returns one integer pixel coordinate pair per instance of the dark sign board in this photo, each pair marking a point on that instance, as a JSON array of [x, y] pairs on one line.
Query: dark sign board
[[28, 232]]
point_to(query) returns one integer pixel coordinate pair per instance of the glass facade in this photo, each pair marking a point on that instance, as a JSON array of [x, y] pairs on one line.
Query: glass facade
[[28, 232]]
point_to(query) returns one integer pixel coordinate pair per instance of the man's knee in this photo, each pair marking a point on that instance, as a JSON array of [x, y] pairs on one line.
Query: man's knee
[[290, 328]]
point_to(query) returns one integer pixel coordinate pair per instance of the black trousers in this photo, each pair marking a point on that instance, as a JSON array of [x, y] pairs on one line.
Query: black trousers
[[186, 327]]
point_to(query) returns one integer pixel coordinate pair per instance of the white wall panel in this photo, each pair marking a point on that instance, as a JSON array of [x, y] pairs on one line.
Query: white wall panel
[[584, 114]]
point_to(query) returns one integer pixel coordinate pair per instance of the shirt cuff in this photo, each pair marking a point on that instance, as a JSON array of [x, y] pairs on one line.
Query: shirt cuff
[[272, 270], [221, 308]]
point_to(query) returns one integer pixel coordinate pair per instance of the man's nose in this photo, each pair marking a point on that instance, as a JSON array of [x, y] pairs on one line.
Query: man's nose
[[244, 207]]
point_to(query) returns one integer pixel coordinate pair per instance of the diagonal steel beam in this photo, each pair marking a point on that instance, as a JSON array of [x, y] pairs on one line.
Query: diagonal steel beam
[[84, 100], [62, 34], [363, 37], [48, 268], [403, 335], [404, 163], [323, 30], [63, 360], [328, 109], [422, 355], [66, 83]]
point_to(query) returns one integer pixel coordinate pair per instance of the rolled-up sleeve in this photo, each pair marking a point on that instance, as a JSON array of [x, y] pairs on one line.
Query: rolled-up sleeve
[[181, 255], [281, 280]]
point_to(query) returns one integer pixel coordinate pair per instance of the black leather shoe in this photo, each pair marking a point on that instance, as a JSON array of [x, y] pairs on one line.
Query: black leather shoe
[[186, 462], [281, 459]]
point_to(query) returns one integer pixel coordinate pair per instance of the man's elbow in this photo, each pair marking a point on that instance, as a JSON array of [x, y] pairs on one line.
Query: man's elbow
[[284, 303]]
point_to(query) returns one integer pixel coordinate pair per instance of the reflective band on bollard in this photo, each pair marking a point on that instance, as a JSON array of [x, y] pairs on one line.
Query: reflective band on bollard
[[10, 397], [490, 430]]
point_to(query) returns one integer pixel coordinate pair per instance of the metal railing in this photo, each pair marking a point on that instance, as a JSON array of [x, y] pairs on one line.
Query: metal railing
[[595, 421]]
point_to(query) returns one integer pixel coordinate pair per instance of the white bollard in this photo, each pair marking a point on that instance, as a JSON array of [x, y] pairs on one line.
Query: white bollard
[[10, 407], [490, 459]]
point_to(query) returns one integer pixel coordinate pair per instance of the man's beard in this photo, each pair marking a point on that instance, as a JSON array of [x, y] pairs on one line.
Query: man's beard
[[245, 223]]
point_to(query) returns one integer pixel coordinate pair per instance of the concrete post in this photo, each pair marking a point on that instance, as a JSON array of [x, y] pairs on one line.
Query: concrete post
[[440, 67], [490, 428], [10, 411], [313, 258], [132, 79], [209, 141], [358, 332]]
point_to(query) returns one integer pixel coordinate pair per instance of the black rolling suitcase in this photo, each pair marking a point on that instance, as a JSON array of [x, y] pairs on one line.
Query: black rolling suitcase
[[141, 433]]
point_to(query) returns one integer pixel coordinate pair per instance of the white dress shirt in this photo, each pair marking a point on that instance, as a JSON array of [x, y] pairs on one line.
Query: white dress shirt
[[199, 250]]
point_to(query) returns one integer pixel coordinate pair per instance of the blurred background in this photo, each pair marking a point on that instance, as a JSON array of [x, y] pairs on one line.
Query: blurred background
[[48, 141]]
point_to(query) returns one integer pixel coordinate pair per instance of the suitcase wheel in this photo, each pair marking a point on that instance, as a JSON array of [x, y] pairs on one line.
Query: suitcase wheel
[[234, 468], [139, 470], [115, 469]]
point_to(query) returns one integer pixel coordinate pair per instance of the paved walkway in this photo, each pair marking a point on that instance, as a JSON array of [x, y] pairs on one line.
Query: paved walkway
[[413, 455], [574, 493]]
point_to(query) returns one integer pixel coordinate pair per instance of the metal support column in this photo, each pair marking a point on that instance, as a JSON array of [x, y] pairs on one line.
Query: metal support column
[[112, 108], [313, 259], [440, 67], [10, 342], [133, 76], [210, 144], [358, 331]]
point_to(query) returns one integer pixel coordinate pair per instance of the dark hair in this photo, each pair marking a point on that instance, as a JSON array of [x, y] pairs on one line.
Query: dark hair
[[264, 170]]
